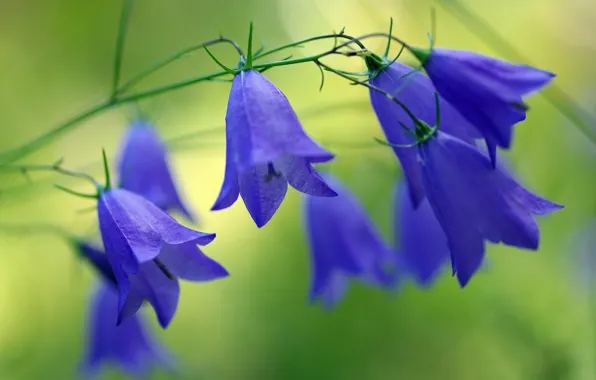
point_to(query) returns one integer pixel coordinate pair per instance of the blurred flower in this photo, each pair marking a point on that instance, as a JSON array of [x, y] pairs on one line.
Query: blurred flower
[[148, 250], [487, 92], [416, 91], [144, 168], [474, 202], [129, 345], [266, 148], [344, 243], [421, 241]]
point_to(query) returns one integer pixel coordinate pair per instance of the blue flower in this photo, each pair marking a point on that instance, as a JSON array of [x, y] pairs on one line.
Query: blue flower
[[421, 241], [416, 91], [266, 148], [148, 251], [130, 345], [144, 168], [344, 243], [488, 92], [474, 202]]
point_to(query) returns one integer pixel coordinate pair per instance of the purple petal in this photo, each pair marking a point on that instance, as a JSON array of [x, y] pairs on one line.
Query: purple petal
[[335, 290], [343, 239], [422, 242], [262, 126], [230, 189], [486, 91], [144, 168], [472, 202], [162, 292], [187, 262], [302, 177], [130, 344], [416, 91], [260, 197]]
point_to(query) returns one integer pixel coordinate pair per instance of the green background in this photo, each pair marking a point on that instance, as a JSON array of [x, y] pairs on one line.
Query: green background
[[526, 316]]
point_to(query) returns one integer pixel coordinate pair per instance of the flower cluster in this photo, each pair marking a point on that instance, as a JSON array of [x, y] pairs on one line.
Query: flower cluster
[[455, 197]]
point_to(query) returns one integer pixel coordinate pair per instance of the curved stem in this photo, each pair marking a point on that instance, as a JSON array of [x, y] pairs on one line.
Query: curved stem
[[125, 18], [174, 57], [307, 40]]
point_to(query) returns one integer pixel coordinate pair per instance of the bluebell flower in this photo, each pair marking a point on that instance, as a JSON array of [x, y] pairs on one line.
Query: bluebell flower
[[148, 251], [474, 202], [344, 243], [416, 91], [421, 242], [266, 148], [144, 168], [488, 92], [129, 345]]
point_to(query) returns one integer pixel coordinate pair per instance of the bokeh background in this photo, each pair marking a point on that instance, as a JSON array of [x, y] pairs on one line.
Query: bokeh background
[[527, 315]]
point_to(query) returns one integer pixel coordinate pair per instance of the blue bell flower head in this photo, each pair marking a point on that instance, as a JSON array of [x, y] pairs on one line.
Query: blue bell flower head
[[488, 92], [475, 202], [148, 251], [144, 168], [266, 149], [344, 243], [421, 242], [416, 91], [129, 345]]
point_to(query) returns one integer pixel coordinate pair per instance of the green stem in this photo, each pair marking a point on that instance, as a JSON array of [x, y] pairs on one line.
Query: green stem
[[165, 62], [126, 12], [307, 40]]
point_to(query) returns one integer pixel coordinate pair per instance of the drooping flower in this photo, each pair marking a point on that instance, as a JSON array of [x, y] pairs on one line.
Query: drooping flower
[[344, 243], [421, 241], [148, 251], [129, 345], [266, 148], [144, 168], [474, 202], [416, 91], [488, 92]]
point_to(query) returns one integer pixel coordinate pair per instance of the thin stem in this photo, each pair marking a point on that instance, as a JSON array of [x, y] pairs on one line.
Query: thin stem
[[165, 62], [58, 169], [554, 95], [372, 87], [124, 19], [310, 39]]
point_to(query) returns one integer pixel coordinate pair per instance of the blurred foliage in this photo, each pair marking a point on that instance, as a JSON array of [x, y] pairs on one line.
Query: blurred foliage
[[523, 318]]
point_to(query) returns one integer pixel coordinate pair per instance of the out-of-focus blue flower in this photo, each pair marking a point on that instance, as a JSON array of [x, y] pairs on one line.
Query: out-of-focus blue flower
[[144, 168], [416, 91], [344, 243], [129, 345], [421, 241], [266, 148], [148, 251], [474, 202], [488, 92]]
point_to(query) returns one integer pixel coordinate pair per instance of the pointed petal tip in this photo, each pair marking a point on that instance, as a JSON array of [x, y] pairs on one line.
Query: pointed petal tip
[[205, 238]]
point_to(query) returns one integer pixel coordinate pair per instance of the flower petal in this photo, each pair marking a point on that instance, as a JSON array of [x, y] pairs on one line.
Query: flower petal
[[229, 189], [302, 177], [262, 125], [262, 198], [422, 242], [144, 168], [471, 202], [187, 262]]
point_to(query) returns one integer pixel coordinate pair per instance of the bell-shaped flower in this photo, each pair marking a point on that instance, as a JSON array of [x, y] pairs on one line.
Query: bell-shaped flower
[[344, 243], [416, 91], [420, 239], [488, 92], [474, 202], [148, 251], [266, 148], [130, 345], [144, 168]]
